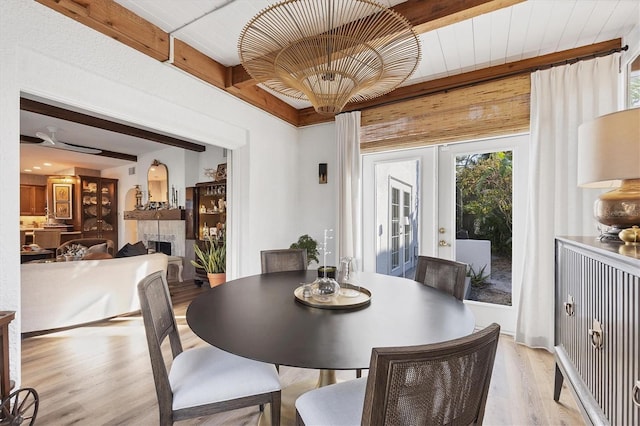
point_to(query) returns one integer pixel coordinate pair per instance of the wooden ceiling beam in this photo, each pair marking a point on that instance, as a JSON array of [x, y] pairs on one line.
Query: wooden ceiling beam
[[119, 23], [110, 18], [429, 15], [203, 67], [101, 123], [308, 116]]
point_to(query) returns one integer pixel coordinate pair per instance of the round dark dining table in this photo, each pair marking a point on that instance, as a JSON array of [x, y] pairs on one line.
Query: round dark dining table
[[258, 317]]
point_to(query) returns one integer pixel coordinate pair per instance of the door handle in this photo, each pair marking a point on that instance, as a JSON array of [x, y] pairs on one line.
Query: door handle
[[636, 393], [568, 306], [595, 335], [443, 243]]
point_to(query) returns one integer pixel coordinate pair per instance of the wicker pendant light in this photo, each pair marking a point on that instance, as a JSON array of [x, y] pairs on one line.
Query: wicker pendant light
[[329, 52]]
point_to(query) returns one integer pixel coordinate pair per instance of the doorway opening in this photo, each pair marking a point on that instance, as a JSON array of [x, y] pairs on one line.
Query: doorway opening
[[484, 223], [397, 185], [443, 217]]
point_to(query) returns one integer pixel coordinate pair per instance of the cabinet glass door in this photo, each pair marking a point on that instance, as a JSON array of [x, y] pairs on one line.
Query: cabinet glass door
[[107, 213], [90, 205]]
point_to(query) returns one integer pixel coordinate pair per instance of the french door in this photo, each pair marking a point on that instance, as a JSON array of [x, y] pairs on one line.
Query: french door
[[400, 236], [430, 213]]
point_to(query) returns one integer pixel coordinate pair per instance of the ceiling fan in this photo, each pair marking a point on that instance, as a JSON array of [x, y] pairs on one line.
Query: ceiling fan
[[52, 142]]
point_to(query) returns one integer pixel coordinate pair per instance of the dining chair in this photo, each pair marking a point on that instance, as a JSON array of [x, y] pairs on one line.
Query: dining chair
[[435, 384], [282, 260], [201, 381], [442, 274], [47, 238], [23, 237]]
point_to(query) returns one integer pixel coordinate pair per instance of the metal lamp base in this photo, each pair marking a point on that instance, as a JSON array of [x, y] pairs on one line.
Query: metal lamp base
[[619, 209]]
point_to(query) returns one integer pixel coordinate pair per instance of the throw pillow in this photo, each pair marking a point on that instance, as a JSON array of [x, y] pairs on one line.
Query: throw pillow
[[123, 251], [97, 256], [98, 248], [136, 249]]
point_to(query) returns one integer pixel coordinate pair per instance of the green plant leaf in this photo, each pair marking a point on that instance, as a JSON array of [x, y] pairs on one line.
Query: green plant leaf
[[212, 258], [310, 245]]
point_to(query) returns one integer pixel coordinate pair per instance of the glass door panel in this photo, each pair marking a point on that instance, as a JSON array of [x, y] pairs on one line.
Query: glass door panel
[[481, 203]]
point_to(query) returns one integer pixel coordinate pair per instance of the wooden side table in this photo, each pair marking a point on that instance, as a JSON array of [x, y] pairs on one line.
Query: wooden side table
[[5, 383]]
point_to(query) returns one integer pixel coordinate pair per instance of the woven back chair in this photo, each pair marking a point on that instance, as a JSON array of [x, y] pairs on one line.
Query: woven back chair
[[47, 238], [282, 260], [443, 274], [204, 380], [86, 242], [438, 384]]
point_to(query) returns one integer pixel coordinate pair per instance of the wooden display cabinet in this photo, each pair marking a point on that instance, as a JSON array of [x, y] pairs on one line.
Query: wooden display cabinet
[[98, 201]]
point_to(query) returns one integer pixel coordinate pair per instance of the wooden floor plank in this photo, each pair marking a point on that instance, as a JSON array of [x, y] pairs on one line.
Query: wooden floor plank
[[100, 374]]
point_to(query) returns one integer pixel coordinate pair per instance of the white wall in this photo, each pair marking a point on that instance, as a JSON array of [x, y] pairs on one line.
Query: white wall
[[317, 145], [46, 55]]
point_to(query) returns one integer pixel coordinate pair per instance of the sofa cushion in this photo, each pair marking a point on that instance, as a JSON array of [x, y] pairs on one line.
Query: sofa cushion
[[98, 248], [87, 242], [128, 250], [97, 255]]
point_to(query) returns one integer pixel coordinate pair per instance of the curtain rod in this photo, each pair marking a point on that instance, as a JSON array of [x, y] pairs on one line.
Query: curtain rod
[[528, 70]]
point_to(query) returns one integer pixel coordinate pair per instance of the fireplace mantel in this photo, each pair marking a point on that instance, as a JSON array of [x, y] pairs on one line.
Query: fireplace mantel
[[166, 214]]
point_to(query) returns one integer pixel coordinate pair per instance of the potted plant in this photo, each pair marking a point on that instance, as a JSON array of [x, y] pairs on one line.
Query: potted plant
[[310, 245], [213, 259]]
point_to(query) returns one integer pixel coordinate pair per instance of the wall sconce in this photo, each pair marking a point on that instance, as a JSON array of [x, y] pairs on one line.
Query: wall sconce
[[609, 157], [322, 172]]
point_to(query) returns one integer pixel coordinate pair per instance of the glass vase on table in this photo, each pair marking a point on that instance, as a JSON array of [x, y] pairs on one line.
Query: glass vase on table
[[325, 288], [349, 277]]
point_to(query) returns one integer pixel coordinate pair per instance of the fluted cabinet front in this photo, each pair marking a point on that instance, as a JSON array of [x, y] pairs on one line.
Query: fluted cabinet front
[[598, 329]]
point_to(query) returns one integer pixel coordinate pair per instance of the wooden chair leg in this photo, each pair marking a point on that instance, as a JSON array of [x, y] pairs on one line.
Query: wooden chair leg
[[275, 409]]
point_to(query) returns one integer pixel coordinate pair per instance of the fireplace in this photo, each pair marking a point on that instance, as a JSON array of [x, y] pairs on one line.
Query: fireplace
[[164, 236], [160, 247]]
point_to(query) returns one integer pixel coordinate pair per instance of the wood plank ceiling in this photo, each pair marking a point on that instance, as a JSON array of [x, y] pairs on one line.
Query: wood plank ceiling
[[535, 37]]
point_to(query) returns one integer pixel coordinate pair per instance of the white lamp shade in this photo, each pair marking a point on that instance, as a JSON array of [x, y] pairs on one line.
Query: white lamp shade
[[609, 149]]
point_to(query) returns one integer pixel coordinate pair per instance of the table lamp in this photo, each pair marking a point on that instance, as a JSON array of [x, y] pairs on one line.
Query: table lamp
[[609, 157]]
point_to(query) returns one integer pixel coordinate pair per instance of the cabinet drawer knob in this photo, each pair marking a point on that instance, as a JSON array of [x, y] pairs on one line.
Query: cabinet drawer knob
[[636, 393], [595, 335], [568, 306]]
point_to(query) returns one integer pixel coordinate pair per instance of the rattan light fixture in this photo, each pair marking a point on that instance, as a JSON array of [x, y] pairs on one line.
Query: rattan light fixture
[[329, 52]]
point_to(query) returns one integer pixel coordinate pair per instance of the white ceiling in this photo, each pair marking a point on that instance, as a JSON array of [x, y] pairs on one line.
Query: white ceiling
[[522, 31]]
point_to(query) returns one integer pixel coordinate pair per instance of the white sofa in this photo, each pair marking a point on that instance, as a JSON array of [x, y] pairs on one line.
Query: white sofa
[[64, 294]]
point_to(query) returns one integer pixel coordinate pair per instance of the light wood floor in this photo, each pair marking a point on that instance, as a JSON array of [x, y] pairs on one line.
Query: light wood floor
[[100, 374]]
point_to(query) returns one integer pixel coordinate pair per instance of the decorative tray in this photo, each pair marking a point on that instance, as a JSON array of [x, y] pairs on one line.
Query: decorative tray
[[340, 302]]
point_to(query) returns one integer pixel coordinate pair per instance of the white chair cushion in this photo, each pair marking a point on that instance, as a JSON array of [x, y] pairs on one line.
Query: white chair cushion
[[339, 404], [205, 375]]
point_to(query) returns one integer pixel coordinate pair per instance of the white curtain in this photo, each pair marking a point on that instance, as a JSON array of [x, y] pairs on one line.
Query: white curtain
[[562, 98], [349, 215]]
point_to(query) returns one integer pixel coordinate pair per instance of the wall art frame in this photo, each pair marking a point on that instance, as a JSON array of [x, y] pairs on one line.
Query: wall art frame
[[62, 201]]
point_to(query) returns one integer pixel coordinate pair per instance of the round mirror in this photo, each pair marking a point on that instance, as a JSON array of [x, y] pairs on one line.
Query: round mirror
[[158, 182]]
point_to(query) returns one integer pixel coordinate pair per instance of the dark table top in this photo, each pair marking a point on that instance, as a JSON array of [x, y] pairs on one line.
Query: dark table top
[[258, 317]]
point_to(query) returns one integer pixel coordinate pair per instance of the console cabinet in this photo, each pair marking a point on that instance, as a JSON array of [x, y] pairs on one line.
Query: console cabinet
[[597, 328]]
